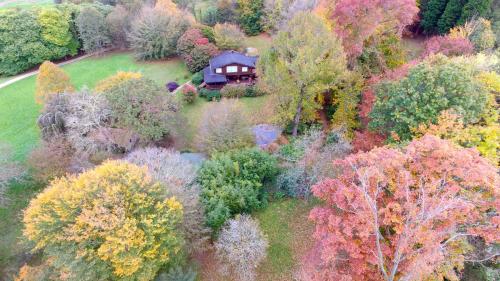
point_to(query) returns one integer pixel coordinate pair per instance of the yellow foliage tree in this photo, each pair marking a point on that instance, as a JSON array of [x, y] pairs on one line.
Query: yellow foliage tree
[[167, 6], [51, 80], [110, 223], [116, 80]]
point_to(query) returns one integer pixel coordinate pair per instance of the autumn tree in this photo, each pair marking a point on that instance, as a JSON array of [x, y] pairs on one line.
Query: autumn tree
[[51, 80], [93, 29], [228, 36], [119, 210], [405, 214], [305, 60], [115, 80], [250, 15]]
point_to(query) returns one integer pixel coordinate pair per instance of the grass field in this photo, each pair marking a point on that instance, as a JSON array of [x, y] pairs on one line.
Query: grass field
[[18, 110], [24, 3]]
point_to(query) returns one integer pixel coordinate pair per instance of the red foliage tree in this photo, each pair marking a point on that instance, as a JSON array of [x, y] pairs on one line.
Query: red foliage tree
[[448, 46], [404, 214], [357, 20]]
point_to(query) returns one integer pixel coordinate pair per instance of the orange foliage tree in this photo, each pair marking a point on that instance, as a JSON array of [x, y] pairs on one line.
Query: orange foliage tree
[[51, 80], [115, 80], [405, 214], [110, 223]]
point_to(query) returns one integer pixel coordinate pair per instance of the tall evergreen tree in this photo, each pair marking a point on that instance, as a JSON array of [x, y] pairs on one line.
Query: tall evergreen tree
[[475, 8], [431, 13], [451, 15]]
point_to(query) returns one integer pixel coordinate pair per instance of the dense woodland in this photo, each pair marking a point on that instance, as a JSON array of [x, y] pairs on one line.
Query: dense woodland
[[382, 162]]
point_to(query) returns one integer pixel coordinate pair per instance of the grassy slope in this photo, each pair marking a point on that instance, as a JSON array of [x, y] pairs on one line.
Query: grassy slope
[[24, 3], [18, 111]]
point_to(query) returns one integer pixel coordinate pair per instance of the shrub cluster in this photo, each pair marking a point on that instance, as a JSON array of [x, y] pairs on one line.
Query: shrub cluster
[[189, 94], [195, 49], [232, 183], [210, 95]]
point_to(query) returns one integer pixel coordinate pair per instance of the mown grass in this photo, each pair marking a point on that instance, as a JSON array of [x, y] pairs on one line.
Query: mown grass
[[18, 110], [24, 3]]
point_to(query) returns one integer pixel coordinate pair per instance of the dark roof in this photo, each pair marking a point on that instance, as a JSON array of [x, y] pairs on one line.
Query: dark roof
[[229, 57], [210, 77]]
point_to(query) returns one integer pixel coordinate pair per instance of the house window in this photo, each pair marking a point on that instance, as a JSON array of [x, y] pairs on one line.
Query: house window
[[244, 69], [218, 70], [232, 69]]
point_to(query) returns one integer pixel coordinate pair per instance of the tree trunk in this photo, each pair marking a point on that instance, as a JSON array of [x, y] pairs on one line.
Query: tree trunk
[[298, 113]]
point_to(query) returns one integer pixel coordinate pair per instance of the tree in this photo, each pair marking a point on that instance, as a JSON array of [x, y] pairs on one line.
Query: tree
[[450, 16], [305, 61], [432, 86], [475, 8], [448, 46], [115, 80], [154, 34], [167, 6], [189, 40], [404, 214], [178, 176], [274, 13], [51, 80], [55, 26], [226, 11], [357, 20], [118, 22], [200, 57], [228, 36], [119, 210], [482, 35], [250, 15], [93, 29], [232, 183], [240, 248], [52, 159], [431, 14], [141, 106], [224, 126]]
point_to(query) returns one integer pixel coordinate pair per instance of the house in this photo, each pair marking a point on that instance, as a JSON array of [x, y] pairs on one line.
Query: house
[[229, 67]]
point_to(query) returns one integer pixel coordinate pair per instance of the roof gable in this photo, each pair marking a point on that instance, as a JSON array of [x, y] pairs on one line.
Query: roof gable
[[232, 57]]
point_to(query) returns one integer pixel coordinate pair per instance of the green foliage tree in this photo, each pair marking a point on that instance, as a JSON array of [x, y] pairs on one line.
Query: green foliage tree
[[93, 29], [475, 8], [250, 15], [143, 107], [228, 36], [55, 26], [232, 183], [431, 13], [154, 34], [226, 11], [306, 59], [482, 36], [110, 223], [430, 87], [450, 16], [118, 22]]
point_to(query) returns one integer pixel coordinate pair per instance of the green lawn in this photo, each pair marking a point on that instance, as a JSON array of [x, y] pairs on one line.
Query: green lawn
[[24, 3], [289, 233], [261, 42], [18, 110]]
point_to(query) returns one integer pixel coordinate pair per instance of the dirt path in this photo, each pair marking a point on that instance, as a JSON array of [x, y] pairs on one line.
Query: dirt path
[[31, 73]]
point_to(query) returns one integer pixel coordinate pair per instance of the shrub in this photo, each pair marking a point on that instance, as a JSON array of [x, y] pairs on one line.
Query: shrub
[[51, 80], [482, 36], [172, 86], [200, 56], [52, 159], [27, 39], [154, 34], [189, 93], [254, 91], [293, 183], [9, 170], [210, 95], [432, 86], [224, 126], [228, 36], [232, 183], [177, 274], [106, 208], [93, 29], [197, 78], [52, 120], [448, 46], [115, 80], [241, 247], [188, 41], [233, 91], [141, 106], [208, 32], [178, 177]]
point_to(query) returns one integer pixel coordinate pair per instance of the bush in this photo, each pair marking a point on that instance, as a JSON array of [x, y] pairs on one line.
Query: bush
[[224, 126], [210, 95], [177, 274], [233, 91], [178, 177], [27, 38], [228, 36], [189, 94], [51, 80], [172, 86], [93, 29], [254, 91], [154, 34], [107, 208], [142, 106], [197, 78], [241, 247], [232, 183], [482, 36], [115, 80], [52, 159], [118, 22], [189, 40], [448, 46], [293, 182], [200, 56], [52, 120]]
